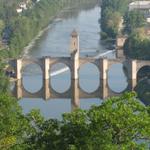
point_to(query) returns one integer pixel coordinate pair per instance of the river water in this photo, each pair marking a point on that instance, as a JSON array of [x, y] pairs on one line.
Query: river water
[[55, 42]]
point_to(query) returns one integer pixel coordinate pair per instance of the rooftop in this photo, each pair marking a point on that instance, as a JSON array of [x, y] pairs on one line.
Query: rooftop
[[139, 5]]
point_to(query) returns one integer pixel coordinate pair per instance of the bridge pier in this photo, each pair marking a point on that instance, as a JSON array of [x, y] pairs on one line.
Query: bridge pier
[[119, 46], [46, 74], [103, 69], [18, 91], [75, 96], [104, 88], [133, 74], [18, 68], [46, 89]]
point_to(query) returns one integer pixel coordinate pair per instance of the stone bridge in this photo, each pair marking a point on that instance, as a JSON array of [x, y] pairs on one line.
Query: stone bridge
[[74, 62]]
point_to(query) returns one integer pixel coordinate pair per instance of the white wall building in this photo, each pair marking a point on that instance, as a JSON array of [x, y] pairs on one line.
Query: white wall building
[[139, 5], [19, 10]]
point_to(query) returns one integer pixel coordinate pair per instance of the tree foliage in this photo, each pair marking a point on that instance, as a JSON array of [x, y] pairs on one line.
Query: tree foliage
[[119, 123], [137, 46], [111, 12], [134, 19], [12, 122]]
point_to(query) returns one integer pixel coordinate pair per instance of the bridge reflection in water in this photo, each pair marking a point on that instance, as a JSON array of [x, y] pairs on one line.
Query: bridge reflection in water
[[75, 92]]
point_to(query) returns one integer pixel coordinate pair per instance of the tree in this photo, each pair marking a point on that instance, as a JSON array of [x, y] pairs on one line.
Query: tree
[[111, 12], [4, 83], [137, 45], [2, 25], [110, 23], [134, 19], [119, 123], [13, 124]]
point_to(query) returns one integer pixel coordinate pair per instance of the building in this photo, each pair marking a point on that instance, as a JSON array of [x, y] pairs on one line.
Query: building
[[142, 5], [19, 10]]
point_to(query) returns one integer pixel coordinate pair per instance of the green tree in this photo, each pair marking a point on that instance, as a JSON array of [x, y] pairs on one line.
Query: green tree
[[137, 46], [111, 12], [119, 123], [110, 23], [134, 19], [13, 124]]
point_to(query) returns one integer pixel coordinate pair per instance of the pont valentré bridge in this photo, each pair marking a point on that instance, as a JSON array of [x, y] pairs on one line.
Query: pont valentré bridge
[[74, 62]]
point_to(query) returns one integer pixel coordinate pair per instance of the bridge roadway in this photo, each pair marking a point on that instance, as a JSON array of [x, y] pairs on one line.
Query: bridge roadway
[[74, 62]]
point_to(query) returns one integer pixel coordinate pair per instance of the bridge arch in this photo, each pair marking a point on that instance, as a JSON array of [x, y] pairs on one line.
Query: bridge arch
[[60, 74], [67, 61], [141, 64], [143, 72], [117, 76], [26, 62], [32, 74], [85, 83]]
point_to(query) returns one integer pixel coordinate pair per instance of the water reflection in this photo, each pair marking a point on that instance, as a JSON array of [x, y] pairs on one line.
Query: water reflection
[[75, 92]]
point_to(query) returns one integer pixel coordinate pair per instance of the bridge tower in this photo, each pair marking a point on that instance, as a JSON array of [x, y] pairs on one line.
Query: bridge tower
[[74, 48], [119, 46]]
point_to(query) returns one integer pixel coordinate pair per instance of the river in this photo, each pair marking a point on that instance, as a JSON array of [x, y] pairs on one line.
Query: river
[[55, 42]]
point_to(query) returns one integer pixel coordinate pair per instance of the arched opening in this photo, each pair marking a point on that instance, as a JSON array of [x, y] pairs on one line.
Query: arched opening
[[143, 73], [89, 77], [32, 77], [117, 80], [60, 77], [143, 84]]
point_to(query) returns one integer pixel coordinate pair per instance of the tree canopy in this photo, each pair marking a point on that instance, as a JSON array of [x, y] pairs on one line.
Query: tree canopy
[[119, 123], [111, 15], [137, 46], [134, 19]]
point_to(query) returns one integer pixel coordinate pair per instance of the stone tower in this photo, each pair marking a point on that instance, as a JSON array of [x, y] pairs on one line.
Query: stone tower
[[74, 48]]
